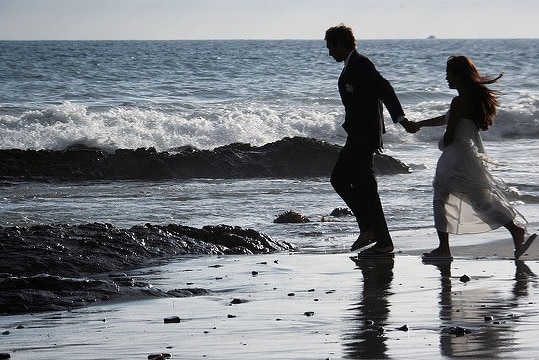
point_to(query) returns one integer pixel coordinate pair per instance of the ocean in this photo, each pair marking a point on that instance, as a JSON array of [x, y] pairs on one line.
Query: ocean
[[313, 303], [168, 94]]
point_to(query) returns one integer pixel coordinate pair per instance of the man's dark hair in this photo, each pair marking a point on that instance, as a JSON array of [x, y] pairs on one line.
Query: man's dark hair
[[341, 34]]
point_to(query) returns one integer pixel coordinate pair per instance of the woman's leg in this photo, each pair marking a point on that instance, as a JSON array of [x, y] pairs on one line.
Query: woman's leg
[[443, 247], [517, 233]]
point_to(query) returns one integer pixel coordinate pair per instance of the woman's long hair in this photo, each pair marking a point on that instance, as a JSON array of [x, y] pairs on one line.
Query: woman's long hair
[[485, 99]]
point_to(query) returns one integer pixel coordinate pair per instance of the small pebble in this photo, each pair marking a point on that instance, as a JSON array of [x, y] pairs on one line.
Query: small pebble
[[291, 294], [381, 330], [171, 319], [465, 278], [237, 301], [308, 313], [459, 331], [159, 356], [254, 273], [369, 322], [230, 316], [489, 318], [403, 328], [5, 332]]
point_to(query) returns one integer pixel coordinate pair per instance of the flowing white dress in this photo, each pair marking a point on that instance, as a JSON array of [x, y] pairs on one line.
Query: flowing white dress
[[467, 199]]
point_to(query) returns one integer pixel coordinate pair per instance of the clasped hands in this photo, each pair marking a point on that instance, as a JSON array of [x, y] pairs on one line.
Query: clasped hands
[[410, 126]]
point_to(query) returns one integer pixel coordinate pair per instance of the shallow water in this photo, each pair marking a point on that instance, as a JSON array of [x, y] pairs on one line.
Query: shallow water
[[255, 203]]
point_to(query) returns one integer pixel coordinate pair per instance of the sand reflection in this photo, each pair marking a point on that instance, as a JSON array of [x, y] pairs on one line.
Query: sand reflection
[[479, 320], [485, 317], [372, 311]]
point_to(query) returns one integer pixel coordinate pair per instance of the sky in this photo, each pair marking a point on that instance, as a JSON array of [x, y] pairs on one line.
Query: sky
[[265, 19]]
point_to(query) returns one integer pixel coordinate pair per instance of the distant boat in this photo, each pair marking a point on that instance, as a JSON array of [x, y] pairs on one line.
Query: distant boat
[[431, 37]]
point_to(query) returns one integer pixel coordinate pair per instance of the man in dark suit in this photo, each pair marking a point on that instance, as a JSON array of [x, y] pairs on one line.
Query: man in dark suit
[[363, 93]]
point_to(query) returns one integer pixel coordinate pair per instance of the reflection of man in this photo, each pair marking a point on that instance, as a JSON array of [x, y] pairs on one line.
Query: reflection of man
[[363, 91], [365, 341]]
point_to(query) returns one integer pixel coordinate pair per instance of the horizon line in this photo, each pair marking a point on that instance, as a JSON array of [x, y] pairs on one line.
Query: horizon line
[[429, 38]]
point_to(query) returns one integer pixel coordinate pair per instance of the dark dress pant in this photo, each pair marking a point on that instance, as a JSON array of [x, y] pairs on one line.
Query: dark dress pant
[[354, 180]]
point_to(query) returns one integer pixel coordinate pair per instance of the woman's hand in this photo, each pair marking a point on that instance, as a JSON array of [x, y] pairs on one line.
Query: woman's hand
[[410, 126]]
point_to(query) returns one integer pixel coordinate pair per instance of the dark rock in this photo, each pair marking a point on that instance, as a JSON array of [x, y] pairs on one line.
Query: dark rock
[[308, 313], [339, 212], [171, 320], [161, 356], [179, 293], [291, 217], [5, 356], [403, 328], [237, 301], [79, 250], [286, 158], [60, 266], [464, 278], [457, 330]]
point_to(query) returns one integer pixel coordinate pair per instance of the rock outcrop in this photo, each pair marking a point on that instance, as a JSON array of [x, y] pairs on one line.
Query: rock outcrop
[[288, 158], [59, 267]]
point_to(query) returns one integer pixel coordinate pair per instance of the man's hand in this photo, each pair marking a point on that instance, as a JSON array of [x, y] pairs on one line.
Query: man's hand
[[410, 126]]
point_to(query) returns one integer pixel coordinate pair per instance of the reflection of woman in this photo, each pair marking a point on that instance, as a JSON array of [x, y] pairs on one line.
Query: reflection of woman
[[466, 197]]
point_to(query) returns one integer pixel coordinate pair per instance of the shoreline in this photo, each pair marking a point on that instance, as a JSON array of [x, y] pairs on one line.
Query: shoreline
[[304, 306], [307, 306], [495, 244]]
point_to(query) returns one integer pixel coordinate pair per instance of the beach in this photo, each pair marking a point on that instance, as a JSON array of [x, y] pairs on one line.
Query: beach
[[106, 145], [308, 306]]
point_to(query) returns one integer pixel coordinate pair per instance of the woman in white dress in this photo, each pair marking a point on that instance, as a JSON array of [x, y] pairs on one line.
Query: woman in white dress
[[467, 199]]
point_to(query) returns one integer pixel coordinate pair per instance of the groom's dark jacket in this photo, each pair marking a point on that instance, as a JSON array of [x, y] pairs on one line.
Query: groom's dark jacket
[[363, 90]]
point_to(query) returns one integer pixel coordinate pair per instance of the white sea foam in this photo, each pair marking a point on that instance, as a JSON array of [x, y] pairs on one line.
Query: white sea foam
[[212, 125], [205, 127]]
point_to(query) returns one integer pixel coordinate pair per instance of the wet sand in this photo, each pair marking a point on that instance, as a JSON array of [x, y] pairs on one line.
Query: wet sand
[[310, 306]]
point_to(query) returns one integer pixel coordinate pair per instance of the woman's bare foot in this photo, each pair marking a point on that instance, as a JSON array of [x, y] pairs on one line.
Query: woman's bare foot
[[518, 235], [437, 253]]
